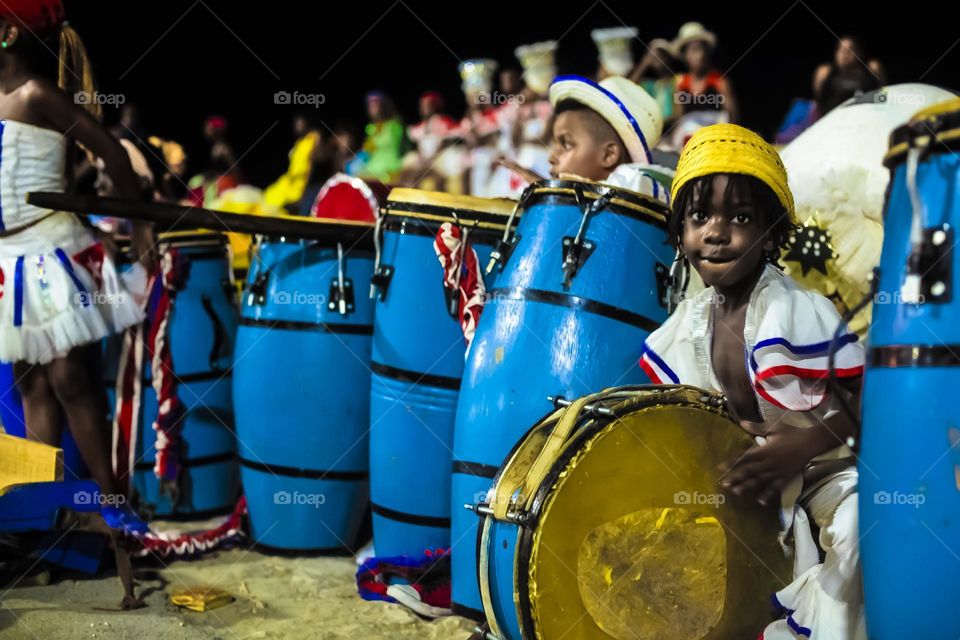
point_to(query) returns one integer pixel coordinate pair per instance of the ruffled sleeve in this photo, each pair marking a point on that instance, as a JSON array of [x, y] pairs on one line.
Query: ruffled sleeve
[[789, 362], [670, 354]]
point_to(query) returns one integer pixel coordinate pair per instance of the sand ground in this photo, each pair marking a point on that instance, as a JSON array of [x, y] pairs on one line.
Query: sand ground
[[274, 597]]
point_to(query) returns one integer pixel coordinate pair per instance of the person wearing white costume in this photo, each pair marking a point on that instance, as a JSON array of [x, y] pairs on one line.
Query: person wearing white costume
[[530, 126], [763, 341], [480, 126], [60, 290], [615, 50]]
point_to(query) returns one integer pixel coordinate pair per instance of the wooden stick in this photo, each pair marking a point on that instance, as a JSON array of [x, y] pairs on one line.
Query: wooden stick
[[169, 217]]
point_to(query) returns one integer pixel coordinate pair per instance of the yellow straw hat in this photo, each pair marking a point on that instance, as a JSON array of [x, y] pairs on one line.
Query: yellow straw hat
[[728, 148]]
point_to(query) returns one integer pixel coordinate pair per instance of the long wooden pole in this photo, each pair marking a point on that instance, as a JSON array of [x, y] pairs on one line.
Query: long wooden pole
[[169, 217]]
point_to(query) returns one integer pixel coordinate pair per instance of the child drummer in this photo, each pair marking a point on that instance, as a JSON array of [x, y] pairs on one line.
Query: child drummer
[[763, 341], [603, 132]]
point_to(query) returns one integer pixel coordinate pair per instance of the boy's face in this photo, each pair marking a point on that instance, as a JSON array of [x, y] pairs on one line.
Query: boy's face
[[724, 242], [576, 148]]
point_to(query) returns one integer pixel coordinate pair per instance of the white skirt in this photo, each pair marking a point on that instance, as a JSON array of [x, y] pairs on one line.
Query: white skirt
[[58, 291]]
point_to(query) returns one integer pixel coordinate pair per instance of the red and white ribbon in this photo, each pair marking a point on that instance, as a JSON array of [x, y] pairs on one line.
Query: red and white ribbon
[[163, 287], [461, 272]]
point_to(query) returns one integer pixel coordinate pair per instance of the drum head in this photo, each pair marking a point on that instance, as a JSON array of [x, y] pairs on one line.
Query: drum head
[[634, 539]]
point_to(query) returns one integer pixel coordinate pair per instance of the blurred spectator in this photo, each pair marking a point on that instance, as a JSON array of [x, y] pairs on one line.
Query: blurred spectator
[[849, 75]]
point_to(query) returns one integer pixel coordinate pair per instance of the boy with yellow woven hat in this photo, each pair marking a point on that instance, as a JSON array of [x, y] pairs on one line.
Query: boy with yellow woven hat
[[763, 341]]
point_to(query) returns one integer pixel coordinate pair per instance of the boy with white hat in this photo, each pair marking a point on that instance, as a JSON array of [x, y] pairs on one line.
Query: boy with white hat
[[604, 132]]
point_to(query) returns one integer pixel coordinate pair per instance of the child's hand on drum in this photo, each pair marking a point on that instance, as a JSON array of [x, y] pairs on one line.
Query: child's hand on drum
[[763, 470]]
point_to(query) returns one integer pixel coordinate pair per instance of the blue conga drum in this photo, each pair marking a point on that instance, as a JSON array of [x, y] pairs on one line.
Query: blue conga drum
[[584, 281], [202, 332], [302, 393], [910, 442], [418, 358]]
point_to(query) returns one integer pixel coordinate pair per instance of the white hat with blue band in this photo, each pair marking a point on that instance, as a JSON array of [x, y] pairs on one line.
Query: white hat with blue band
[[630, 110]]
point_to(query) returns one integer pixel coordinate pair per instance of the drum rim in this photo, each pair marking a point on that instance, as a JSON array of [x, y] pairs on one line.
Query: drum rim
[[261, 238], [442, 199], [428, 227], [592, 428], [438, 214], [940, 124], [624, 202]]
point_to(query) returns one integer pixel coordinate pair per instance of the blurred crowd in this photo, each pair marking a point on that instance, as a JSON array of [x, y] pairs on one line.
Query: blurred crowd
[[506, 123]]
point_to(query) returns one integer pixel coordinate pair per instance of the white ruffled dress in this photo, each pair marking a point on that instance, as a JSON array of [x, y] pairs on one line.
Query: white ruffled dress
[[787, 335], [58, 290]]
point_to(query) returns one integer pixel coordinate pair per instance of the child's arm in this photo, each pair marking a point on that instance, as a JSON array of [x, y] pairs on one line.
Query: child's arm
[[527, 174], [763, 470]]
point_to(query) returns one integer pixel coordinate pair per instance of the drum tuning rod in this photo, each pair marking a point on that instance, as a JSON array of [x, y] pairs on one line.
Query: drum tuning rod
[[484, 509], [595, 409], [481, 509], [483, 633]]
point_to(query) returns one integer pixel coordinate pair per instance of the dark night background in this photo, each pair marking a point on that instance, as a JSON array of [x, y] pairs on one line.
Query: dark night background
[[183, 60]]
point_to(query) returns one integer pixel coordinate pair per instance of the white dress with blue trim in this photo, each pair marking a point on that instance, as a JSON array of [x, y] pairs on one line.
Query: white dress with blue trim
[[787, 334], [58, 290]]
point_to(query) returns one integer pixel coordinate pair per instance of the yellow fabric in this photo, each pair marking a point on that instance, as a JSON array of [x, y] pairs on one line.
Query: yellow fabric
[[729, 148], [288, 189], [248, 200], [24, 461]]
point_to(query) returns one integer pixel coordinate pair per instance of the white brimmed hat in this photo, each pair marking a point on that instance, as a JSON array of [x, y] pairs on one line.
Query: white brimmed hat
[[614, 44], [630, 110], [539, 64], [693, 32]]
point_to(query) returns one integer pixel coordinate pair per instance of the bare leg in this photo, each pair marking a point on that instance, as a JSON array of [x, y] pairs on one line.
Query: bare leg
[[41, 410], [77, 385]]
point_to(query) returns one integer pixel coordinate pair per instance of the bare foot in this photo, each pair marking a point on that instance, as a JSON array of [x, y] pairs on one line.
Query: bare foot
[[130, 602]]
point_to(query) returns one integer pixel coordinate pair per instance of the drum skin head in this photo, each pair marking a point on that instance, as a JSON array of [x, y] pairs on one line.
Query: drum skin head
[[634, 539]]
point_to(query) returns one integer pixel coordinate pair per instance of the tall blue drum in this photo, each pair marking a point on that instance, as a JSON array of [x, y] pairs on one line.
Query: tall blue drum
[[418, 353], [583, 283], [910, 443], [202, 332], [302, 393]]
